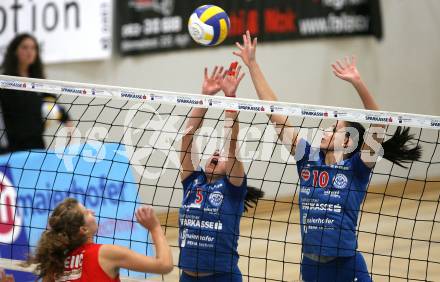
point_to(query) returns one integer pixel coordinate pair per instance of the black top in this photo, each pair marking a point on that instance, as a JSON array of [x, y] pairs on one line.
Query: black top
[[21, 121]]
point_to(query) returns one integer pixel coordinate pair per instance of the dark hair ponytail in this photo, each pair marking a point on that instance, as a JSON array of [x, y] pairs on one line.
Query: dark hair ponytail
[[396, 149], [62, 237], [252, 196]]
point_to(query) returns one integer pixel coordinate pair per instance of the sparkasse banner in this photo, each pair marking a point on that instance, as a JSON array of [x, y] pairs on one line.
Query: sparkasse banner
[[156, 25], [67, 30]]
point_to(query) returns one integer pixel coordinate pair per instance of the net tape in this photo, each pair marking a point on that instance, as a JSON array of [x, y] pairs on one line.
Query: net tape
[[194, 100]]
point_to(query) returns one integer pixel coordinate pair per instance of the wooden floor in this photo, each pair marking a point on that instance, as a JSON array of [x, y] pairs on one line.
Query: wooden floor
[[399, 235]]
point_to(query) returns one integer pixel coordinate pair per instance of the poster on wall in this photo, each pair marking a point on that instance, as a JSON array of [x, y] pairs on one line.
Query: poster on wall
[[67, 30], [155, 25]]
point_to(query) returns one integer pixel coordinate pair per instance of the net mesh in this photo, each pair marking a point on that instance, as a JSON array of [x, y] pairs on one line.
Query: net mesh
[[138, 145]]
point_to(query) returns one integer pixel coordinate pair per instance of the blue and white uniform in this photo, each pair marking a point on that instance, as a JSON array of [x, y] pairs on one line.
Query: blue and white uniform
[[209, 226], [330, 200]]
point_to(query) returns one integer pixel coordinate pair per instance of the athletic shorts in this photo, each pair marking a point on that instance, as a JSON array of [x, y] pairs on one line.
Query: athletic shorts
[[341, 269], [219, 277]]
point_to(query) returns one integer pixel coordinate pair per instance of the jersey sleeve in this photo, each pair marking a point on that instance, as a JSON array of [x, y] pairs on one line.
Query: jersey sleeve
[[302, 152], [241, 190], [360, 169]]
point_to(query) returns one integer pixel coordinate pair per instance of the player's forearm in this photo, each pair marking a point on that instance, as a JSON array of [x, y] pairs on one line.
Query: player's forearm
[[231, 129], [264, 91], [163, 250], [195, 120], [365, 95]]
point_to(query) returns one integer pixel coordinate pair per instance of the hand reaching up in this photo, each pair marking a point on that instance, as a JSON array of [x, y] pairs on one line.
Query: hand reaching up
[[147, 218], [230, 82], [211, 84], [347, 70], [247, 50]]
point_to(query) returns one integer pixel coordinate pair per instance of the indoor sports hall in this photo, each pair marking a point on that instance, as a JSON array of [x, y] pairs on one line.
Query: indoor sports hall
[[165, 140]]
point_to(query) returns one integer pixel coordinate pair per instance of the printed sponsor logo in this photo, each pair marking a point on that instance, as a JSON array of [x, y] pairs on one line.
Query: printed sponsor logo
[[204, 224], [276, 109], [216, 198], [73, 90], [133, 95], [305, 174], [340, 181], [322, 207], [202, 238], [435, 123], [379, 119], [73, 267], [10, 219], [96, 196], [332, 194], [164, 7], [305, 190], [314, 113], [251, 108], [189, 101], [339, 114], [15, 84], [320, 221]]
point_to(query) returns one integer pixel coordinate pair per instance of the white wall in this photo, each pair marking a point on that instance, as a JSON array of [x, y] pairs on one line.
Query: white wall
[[402, 70]]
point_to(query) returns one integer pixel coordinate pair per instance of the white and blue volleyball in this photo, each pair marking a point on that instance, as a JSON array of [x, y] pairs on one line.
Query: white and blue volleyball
[[209, 25]]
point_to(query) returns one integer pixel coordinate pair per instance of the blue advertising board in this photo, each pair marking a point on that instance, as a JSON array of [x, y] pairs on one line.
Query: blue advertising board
[[98, 175]]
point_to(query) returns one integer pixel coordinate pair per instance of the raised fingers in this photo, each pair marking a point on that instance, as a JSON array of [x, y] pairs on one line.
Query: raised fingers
[[337, 68], [214, 71], [237, 71], [339, 64], [353, 60]]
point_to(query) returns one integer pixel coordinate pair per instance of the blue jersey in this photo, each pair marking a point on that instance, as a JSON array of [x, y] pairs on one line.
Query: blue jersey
[[330, 200], [209, 224]]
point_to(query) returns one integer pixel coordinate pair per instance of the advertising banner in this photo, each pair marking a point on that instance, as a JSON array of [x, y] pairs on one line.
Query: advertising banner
[[75, 30], [155, 25]]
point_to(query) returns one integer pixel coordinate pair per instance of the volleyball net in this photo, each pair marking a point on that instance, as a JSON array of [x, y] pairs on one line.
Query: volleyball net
[[122, 147]]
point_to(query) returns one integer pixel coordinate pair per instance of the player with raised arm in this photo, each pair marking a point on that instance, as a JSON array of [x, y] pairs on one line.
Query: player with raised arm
[[66, 251], [215, 198], [334, 178]]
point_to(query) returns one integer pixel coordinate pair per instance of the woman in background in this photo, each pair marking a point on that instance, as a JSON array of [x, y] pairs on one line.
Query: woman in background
[[22, 121]]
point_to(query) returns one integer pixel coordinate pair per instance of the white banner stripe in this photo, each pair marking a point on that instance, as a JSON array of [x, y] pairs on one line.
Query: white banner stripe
[[203, 101]]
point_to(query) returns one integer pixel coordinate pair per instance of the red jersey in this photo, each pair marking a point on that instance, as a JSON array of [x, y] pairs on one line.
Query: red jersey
[[82, 265]]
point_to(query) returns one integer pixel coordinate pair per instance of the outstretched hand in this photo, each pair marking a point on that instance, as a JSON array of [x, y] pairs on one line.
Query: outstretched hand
[[146, 216], [347, 70], [247, 50], [230, 81], [211, 84]]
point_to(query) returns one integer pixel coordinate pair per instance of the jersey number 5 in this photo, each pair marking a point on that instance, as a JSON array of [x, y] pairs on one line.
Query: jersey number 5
[[199, 196]]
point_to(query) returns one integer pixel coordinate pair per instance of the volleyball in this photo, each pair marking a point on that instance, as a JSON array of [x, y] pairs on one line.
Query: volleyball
[[51, 112], [209, 25]]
